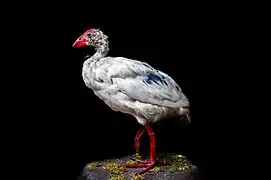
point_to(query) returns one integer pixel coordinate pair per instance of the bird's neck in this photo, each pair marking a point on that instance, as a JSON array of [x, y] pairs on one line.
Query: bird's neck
[[101, 52]]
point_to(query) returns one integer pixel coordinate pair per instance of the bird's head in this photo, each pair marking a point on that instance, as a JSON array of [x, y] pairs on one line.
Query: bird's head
[[91, 37]]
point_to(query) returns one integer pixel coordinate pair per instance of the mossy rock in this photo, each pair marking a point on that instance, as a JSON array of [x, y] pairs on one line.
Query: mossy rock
[[178, 167]]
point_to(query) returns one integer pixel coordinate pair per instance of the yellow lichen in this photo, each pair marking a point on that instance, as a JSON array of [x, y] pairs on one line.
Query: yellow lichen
[[137, 176], [155, 169], [118, 177], [179, 158], [180, 167], [116, 168], [131, 162], [93, 164], [137, 155], [177, 162]]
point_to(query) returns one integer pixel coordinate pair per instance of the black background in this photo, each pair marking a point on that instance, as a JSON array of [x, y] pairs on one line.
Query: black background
[[67, 126]]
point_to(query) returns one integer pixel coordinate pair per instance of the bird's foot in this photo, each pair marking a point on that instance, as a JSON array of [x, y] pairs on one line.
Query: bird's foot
[[138, 159], [158, 162], [147, 165]]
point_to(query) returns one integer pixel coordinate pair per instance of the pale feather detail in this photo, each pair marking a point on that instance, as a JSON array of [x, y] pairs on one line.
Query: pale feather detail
[[124, 86]]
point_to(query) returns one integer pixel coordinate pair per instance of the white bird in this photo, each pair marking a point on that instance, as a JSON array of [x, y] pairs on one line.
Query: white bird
[[132, 87]]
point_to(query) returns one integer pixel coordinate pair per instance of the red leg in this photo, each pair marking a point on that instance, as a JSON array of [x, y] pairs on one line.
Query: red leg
[[152, 142], [148, 165], [137, 137]]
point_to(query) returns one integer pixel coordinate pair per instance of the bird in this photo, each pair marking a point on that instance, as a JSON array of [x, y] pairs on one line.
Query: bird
[[132, 87]]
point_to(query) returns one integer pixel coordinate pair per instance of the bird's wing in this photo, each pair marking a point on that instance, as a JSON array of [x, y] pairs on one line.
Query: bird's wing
[[140, 81]]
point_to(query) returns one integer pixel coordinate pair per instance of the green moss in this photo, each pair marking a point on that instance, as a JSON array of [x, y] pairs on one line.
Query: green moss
[[116, 168]]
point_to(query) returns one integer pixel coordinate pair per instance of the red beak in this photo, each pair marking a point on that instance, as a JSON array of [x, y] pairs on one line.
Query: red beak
[[80, 42]]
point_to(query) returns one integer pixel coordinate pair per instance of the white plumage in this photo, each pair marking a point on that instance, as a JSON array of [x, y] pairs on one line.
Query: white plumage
[[135, 88], [131, 86]]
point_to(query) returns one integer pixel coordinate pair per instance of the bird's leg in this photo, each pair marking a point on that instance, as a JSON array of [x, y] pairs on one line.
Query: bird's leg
[[137, 145], [147, 164], [137, 137], [152, 150]]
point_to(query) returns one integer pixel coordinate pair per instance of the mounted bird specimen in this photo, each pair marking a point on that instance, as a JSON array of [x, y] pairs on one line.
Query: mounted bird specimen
[[132, 87]]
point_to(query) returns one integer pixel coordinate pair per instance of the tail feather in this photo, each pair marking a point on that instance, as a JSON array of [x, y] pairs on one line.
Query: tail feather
[[188, 117], [185, 115]]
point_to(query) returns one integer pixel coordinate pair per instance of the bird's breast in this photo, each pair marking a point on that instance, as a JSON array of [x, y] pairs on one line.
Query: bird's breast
[[95, 78]]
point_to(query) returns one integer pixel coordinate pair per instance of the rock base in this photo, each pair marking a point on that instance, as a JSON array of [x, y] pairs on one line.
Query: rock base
[[178, 168]]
